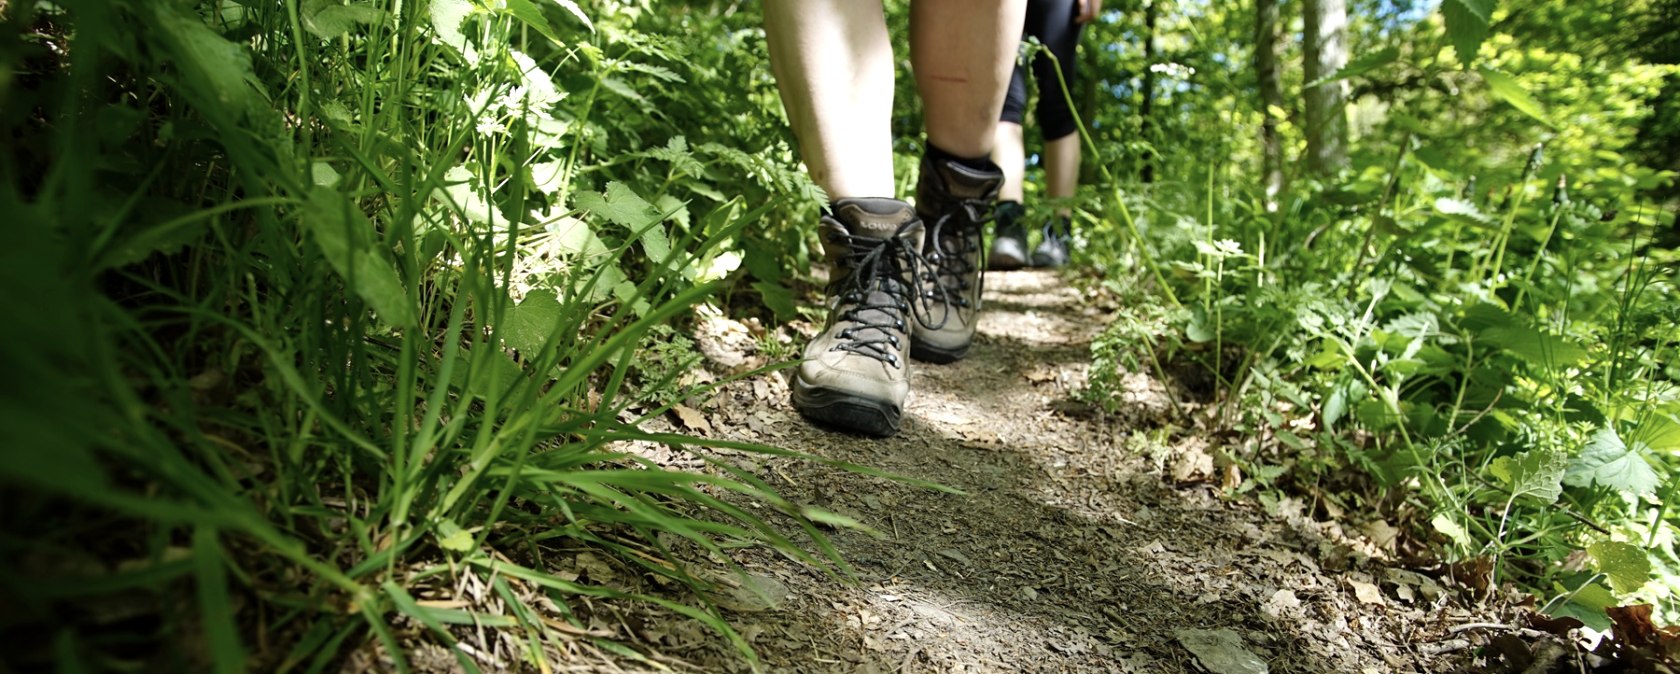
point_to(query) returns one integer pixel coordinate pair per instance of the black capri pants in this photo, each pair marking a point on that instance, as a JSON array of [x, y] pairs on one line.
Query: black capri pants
[[1052, 22]]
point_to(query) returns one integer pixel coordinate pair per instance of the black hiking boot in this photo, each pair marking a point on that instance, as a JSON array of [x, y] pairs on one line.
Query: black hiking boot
[[1009, 245]]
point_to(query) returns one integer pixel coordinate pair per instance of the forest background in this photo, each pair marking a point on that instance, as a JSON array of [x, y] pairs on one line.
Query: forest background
[[317, 300]]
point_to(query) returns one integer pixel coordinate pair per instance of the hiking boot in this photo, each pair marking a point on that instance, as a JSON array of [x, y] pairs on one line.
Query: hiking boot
[[1009, 245], [955, 201], [1052, 250], [854, 374]]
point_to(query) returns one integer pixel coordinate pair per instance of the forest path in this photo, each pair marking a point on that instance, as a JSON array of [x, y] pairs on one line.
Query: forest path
[[1079, 543]]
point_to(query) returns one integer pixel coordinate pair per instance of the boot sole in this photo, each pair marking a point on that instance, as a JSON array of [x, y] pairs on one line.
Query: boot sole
[[1005, 262], [931, 354], [845, 411]]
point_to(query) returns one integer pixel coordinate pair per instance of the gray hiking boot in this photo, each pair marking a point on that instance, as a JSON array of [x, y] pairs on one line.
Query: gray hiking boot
[[1052, 250], [956, 202], [854, 374], [1009, 244]]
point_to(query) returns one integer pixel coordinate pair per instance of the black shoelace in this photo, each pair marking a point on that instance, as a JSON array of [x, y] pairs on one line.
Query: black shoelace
[[951, 259], [877, 268]]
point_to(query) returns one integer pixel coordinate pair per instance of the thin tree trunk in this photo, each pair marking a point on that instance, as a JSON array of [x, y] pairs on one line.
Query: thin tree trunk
[[1326, 53], [1271, 98], [1146, 111]]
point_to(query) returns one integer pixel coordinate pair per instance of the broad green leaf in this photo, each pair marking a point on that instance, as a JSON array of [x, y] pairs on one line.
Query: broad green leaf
[[1660, 431], [1607, 461], [778, 297], [1536, 473], [328, 20], [347, 239], [1467, 26], [1511, 91], [1625, 564], [1198, 330], [1359, 66], [1587, 604], [532, 16], [527, 326], [211, 65], [1499, 328], [1451, 530], [450, 536], [572, 235], [447, 16], [576, 11], [620, 205], [323, 174]]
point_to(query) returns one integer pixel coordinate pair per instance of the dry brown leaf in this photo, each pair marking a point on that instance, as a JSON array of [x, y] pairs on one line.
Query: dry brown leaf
[[692, 419], [1367, 593]]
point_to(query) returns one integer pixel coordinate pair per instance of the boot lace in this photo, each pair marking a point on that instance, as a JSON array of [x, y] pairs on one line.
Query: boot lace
[[873, 297], [952, 242]]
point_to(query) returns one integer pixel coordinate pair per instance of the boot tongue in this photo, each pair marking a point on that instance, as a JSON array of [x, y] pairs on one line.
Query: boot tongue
[[874, 218]]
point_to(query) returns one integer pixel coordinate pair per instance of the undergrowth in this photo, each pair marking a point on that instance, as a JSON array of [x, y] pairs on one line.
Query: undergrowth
[[325, 311], [1471, 340]]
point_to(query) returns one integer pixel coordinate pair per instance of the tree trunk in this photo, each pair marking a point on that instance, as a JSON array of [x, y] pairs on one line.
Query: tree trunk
[[1145, 112], [1326, 53], [1271, 98]]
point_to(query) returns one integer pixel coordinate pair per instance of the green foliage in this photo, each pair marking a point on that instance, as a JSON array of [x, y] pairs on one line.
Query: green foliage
[[331, 304], [1479, 329]]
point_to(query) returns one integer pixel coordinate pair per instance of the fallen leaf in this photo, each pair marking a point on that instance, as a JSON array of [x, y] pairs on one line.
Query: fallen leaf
[[692, 419], [1382, 535], [1280, 604], [1221, 651], [755, 592], [1367, 593], [1192, 464]]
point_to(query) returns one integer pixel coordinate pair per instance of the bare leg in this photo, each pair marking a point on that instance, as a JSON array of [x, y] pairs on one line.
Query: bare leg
[[963, 52], [834, 66], [1061, 168], [1010, 153]]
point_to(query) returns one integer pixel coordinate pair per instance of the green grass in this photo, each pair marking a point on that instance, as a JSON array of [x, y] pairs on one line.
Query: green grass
[[315, 310]]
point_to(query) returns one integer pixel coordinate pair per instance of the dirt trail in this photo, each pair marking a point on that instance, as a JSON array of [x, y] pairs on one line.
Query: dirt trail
[[1071, 548]]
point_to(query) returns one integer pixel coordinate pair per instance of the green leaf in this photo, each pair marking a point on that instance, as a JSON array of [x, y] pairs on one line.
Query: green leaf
[[1467, 26], [532, 16], [347, 239], [779, 298], [450, 536], [447, 16], [576, 11], [215, 605], [1625, 564], [328, 20], [572, 235], [831, 518], [1660, 431], [1451, 530], [1587, 605], [526, 327], [1501, 329], [1359, 66], [1536, 474], [210, 65], [619, 205], [1607, 461], [1198, 330], [1511, 91], [1462, 211]]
